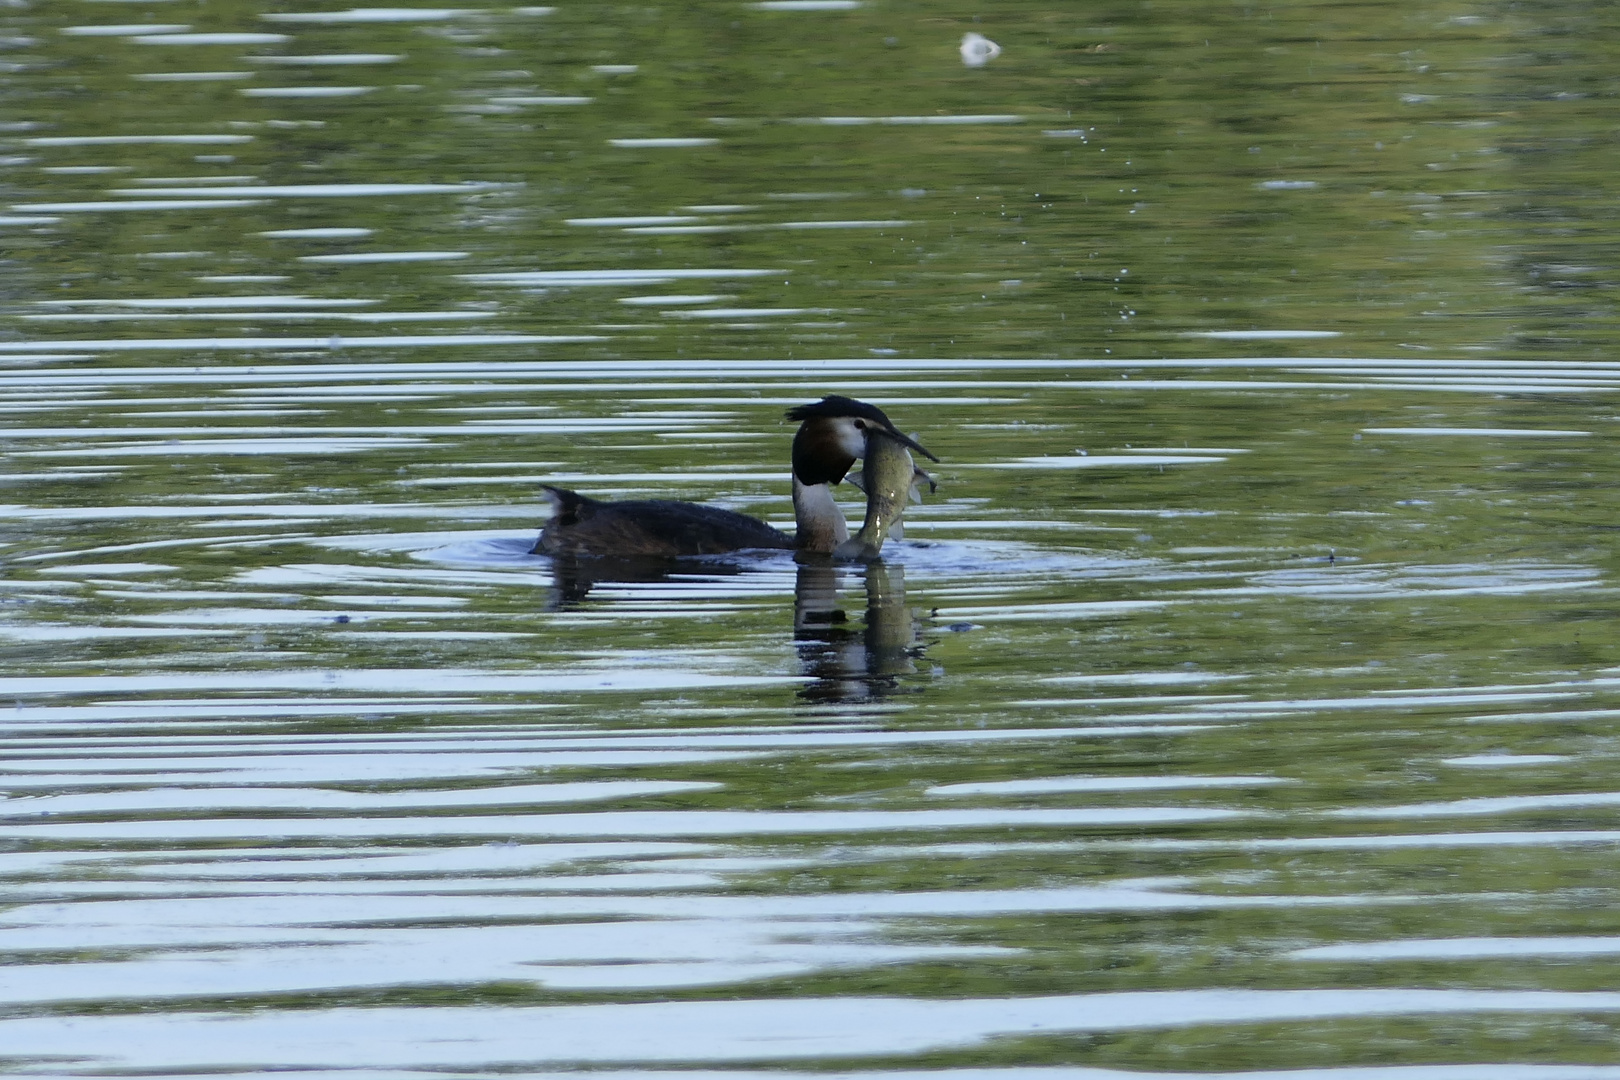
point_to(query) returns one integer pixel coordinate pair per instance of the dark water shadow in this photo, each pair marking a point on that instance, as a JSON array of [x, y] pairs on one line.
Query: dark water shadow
[[574, 577]]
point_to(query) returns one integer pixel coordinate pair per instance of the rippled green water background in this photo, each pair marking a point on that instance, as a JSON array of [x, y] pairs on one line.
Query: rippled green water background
[[1245, 699]]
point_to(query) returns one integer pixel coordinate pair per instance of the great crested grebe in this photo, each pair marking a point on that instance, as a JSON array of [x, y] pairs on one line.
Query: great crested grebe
[[832, 433]]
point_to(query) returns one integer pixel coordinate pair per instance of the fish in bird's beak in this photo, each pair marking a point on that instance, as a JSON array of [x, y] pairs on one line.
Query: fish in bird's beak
[[908, 442], [889, 480]]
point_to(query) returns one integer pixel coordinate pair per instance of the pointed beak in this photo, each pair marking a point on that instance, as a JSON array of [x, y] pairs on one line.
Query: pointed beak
[[903, 440]]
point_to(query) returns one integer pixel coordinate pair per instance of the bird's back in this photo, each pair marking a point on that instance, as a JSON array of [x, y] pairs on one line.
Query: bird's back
[[660, 528]]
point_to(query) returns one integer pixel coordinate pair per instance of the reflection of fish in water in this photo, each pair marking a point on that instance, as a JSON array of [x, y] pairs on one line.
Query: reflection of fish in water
[[846, 662], [890, 480]]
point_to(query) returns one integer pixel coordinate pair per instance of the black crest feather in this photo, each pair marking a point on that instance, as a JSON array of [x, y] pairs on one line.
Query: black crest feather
[[834, 406]]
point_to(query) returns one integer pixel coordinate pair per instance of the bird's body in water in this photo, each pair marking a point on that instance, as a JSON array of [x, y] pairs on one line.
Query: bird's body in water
[[833, 433]]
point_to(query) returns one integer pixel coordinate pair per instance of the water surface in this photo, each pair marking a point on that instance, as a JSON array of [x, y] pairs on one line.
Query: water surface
[[1245, 699]]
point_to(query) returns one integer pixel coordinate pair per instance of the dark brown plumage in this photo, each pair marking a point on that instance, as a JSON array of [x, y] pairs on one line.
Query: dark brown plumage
[[662, 528]]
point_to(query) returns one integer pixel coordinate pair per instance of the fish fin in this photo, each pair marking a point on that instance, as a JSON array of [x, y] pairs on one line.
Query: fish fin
[[897, 531], [918, 478], [858, 478]]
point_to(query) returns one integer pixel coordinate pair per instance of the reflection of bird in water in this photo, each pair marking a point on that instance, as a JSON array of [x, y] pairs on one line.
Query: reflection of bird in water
[[832, 433], [844, 663]]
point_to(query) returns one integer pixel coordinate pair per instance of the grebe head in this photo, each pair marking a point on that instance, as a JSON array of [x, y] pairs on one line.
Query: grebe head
[[832, 434]]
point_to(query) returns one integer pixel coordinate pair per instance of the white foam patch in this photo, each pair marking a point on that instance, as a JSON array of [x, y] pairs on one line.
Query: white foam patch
[[1501, 804], [55, 475], [1478, 948], [673, 299], [1058, 785], [1067, 1072], [369, 317], [718, 1031], [495, 546], [384, 680], [664, 142], [648, 824], [124, 29], [104, 569], [215, 799], [38, 632], [848, 224], [1389, 842], [1502, 761], [191, 76], [386, 257], [1346, 581], [329, 59], [333, 233], [311, 864], [279, 916], [1099, 461], [102, 206], [372, 15], [268, 617], [1097, 609], [207, 303], [1141, 678], [571, 956], [324, 191], [578, 884], [577, 278], [692, 230], [347, 765], [333, 342], [278, 447], [1265, 335], [210, 39], [952, 120], [1510, 433], [73, 717], [741, 313], [542, 99], [645, 219], [246, 178], [305, 91], [279, 513]]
